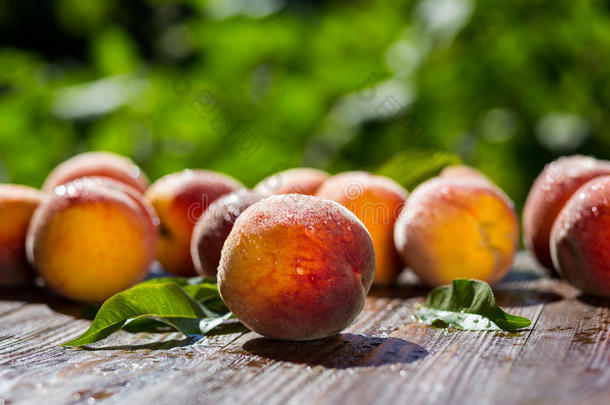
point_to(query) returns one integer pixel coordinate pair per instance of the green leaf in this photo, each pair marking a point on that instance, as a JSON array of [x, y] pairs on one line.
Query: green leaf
[[190, 305], [414, 166], [163, 300], [203, 290], [468, 305], [206, 325]]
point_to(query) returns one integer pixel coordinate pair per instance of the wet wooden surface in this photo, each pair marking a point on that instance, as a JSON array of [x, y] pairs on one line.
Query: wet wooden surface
[[384, 357]]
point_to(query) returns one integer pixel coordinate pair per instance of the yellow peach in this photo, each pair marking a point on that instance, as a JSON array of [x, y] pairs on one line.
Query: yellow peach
[[300, 180], [453, 228], [89, 240], [377, 202], [462, 172], [17, 204], [103, 164]]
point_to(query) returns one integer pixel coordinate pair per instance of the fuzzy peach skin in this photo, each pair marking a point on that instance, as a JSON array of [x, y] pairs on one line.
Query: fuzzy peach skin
[[89, 240], [300, 180], [457, 228], [549, 193], [103, 164], [377, 202], [580, 238], [17, 204], [179, 200], [125, 188], [463, 172], [296, 267], [214, 227]]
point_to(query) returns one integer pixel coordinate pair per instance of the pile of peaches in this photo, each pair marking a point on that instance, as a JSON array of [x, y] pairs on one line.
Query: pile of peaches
[[296, 256]]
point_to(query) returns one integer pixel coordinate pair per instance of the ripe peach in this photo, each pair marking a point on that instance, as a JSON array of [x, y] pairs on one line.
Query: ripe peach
[[89, 240], [103, 164], [580, 238], [296, 267], [300, 180], [377, 202], [127, 189], [17, 204], [549, 193], [457, 228], [463, 172], [179, 200], [214, 227]]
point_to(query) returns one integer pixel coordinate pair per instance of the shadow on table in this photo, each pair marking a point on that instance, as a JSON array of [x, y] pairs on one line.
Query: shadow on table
[[524, 297], [40, 295], [594, 301], [32, 295], [508, 295], [165, 345], [339, 352], [409, 285], [152, 327], [404, 291]]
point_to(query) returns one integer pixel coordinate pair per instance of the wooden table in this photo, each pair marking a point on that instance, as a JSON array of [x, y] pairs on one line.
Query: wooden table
[[384, 357]]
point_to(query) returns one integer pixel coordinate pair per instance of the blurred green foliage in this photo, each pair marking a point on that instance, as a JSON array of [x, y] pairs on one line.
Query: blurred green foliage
[[505, 84]]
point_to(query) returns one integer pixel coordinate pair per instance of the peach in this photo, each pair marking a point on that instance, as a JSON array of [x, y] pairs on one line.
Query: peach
[[214, 227], [377, 202], [17, 204], [580, 238], [457, 228], [179, 199], [127, 189], [549, 193], [300, 180], [462, 172], [103, 164], [89, 240], [296, 267]]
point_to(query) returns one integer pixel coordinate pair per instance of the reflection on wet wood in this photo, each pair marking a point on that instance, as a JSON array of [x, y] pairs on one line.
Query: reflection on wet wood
[[382, 358]]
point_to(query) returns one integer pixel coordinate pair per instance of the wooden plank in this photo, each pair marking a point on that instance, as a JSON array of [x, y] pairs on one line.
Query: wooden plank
[[34, 367], [383, 357], [567, 358]]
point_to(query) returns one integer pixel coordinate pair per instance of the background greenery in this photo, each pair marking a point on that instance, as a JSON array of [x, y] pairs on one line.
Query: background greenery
[[506, 85]]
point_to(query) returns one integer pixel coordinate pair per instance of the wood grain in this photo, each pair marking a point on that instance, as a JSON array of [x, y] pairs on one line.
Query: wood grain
[[384, 357]]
